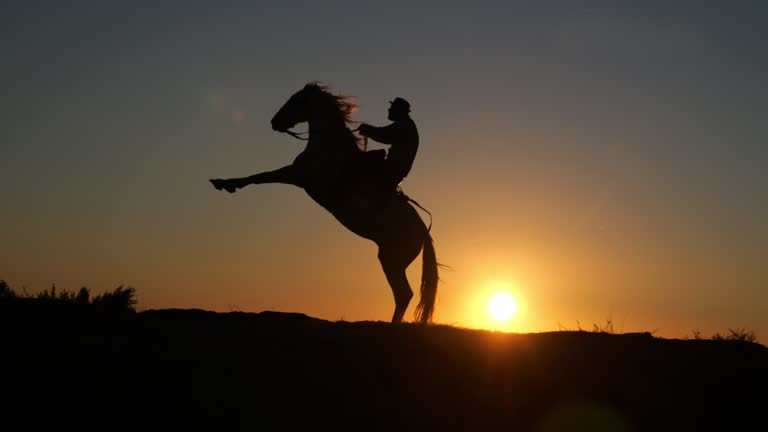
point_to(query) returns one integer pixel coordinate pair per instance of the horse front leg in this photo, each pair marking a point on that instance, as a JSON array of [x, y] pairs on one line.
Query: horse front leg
[[284, 175]]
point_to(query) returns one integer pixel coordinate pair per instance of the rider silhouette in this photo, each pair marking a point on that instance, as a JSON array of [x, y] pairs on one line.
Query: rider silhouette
[[403, 138]]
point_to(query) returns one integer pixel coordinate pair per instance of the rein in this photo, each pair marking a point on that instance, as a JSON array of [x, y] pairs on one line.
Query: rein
[[429, 228], [298, 136]]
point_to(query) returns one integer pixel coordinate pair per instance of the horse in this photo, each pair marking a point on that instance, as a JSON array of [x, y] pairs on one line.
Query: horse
[[331, 169]]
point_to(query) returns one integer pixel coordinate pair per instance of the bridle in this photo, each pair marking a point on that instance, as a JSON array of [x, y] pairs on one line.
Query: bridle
[[297, 135]]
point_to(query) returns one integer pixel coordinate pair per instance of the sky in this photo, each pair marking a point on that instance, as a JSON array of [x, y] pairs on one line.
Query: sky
[[600, 161]]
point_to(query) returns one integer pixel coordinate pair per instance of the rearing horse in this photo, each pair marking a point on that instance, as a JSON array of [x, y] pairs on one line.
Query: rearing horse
[[331, 169]]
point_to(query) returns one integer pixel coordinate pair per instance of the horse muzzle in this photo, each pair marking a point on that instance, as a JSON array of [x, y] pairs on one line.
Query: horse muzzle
[[279, 127]]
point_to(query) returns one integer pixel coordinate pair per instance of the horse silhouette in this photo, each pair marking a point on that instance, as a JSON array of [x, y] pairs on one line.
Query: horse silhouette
[[332, 169]]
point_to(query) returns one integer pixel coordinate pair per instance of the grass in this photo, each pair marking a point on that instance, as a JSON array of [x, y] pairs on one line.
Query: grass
[[738, 334], [121, 301], [609, 327]]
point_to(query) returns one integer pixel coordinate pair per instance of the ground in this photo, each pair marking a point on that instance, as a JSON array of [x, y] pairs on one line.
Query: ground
[[181, 369]]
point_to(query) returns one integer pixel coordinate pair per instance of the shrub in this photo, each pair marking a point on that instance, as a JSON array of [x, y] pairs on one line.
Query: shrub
[[739, 334], [120, 301]]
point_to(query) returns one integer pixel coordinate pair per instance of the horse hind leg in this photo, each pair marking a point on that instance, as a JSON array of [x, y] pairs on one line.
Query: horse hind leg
[[394, 263], [401, 289]]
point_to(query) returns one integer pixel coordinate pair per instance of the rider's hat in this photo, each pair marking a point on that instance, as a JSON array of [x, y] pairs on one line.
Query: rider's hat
[[401, 104]]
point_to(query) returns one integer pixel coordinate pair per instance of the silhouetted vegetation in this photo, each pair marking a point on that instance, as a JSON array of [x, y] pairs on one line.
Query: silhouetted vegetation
[[608, 327], [737, 335], [733, 335], [55, 303]]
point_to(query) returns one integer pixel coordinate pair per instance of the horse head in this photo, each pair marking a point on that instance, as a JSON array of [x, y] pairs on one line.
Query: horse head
[[294, 111], [328, 115]]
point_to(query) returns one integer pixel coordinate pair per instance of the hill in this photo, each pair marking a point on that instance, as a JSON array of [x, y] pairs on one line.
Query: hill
[[180, 369]]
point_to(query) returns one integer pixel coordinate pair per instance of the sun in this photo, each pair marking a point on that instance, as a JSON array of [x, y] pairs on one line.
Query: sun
[[502, 306]]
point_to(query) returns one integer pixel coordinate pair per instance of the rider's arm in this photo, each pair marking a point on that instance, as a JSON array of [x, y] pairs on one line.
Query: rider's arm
[[384, 135]]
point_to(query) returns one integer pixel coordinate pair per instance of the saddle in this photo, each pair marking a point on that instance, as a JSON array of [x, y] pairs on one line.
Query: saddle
[[372, 157], [368, 175]]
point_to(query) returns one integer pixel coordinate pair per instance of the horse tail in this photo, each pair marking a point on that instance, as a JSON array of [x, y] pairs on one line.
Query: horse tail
[[429, 279]]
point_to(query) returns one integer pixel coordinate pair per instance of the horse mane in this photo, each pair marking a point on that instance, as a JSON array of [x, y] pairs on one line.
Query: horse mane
[[344, 104]]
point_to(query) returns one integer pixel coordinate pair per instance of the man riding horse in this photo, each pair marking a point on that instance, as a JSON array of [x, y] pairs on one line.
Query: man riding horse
[[338, 175]]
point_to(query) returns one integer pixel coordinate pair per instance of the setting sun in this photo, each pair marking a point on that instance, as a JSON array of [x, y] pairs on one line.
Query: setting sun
[[502, 306]]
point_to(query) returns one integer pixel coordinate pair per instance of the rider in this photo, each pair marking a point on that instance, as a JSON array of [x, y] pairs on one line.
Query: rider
[[403, 138]]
